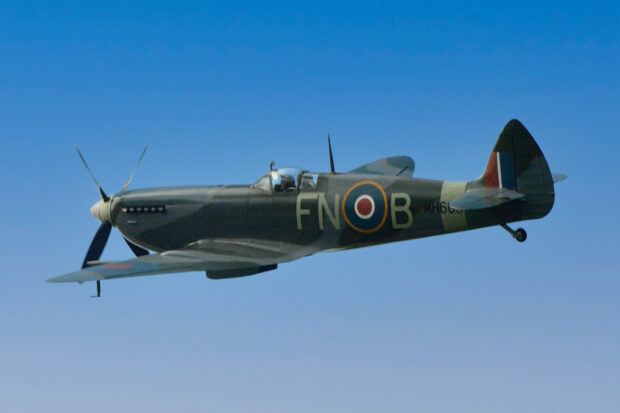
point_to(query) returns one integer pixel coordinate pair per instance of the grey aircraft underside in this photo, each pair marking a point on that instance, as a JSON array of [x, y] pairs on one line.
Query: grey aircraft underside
[[234, 231]]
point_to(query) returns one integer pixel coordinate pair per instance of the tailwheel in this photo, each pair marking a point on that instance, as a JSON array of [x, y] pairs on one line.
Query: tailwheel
[[520, 234]]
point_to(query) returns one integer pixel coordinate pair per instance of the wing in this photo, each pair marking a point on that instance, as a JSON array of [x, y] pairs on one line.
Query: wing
[[219, 258], [481, 198], [395, 165], [166, 262]]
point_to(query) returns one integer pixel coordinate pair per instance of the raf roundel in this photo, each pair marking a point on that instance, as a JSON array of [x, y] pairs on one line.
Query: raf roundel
[[364, 207]]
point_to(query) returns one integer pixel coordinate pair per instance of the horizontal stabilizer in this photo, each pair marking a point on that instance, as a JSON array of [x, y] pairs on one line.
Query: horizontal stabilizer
[[394, 165], [558, 178], [481, 198]]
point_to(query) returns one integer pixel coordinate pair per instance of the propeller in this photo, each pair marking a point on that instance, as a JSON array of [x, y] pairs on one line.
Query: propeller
[[103, 194], [139, 251], [97, 244], [100, 239], [135, 168], [96, 248]]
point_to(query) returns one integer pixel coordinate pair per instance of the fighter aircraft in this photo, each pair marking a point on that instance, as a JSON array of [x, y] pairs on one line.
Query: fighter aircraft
[[290, 213]]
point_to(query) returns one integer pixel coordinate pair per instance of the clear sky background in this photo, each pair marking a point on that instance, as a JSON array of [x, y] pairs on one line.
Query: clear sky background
[[470, 322]]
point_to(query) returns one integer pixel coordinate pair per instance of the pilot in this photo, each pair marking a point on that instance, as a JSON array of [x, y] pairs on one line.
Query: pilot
[[287, 182]]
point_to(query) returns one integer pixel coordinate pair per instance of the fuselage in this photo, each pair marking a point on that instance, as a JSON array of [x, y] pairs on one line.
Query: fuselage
[[332, 212]]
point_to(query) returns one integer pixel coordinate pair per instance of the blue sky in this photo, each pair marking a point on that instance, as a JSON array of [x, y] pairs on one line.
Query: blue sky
[[465, 322]]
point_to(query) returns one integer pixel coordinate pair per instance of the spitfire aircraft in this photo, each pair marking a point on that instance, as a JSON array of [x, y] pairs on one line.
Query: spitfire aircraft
[[290, 213]]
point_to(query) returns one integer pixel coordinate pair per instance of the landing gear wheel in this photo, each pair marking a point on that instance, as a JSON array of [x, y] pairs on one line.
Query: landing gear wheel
[[520, 235]]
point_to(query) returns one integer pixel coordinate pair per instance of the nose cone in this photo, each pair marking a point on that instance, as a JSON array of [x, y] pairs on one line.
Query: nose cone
[[101, 211]]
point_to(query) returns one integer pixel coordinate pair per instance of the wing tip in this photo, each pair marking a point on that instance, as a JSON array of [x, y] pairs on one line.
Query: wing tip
[[60, 279], [77, 277]]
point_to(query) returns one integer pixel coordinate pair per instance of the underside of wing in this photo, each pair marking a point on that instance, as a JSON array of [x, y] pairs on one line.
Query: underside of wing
[[394, 165], [146, 265], [481, 198], [219, 258]]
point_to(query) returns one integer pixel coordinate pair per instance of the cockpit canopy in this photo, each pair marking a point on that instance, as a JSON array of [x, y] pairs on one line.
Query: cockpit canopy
[[286, 180]]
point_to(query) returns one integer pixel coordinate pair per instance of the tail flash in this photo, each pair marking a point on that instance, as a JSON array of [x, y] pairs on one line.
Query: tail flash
[[500, 172]]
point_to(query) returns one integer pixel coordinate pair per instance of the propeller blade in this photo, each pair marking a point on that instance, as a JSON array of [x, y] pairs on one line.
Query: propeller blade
[[331, 156], [139, 251], [98, 244], [134, 170], [103, 194]]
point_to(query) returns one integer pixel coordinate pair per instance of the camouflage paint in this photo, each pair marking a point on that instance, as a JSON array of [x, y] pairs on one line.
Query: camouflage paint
[[241, 230]]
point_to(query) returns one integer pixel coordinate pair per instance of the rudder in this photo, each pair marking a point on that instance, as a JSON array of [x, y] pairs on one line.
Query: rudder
[[517, 163]]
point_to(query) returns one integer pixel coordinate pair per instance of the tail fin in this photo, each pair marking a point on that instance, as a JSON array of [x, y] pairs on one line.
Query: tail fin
[[517, 163]]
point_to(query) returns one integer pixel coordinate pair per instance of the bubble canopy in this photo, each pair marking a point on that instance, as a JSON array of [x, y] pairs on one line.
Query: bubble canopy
[[286, 180]]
